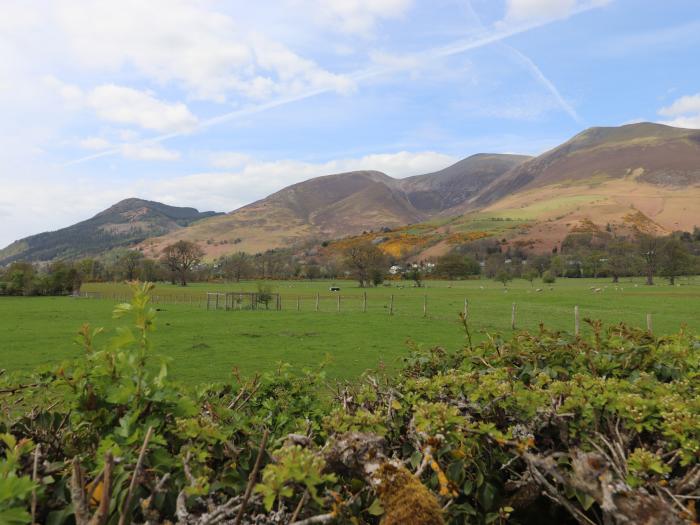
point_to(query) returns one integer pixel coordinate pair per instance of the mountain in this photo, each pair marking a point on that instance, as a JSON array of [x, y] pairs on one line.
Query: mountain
[[648, 153], [456, 184], [637, 177], [339, 205], [634, 177], [125, 224]]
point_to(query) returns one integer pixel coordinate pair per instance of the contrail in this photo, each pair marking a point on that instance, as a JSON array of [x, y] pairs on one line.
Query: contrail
[[535, 70], [548, 84], [454, 48]]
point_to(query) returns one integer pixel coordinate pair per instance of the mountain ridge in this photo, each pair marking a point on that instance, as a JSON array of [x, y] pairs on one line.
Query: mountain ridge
[[339, 205], [124, 224], [603, 173]]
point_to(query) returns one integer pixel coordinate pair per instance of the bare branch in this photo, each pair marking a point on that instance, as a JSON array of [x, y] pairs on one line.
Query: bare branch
[[102, 512], [253, 475], [134, 476]]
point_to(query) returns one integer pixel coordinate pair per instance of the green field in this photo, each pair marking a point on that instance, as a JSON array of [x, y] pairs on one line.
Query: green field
[[208, 345]]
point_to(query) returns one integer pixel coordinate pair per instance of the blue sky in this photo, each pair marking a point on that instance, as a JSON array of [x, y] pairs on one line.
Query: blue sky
[[215, 104]]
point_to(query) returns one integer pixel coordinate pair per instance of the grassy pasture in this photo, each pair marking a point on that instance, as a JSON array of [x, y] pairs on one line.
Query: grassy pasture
[[207, 345]]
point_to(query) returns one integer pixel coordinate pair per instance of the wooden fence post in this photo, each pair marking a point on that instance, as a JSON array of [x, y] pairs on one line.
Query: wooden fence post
[[650, 326], [338, 302], [391, 305], [364, 302], [425, 306], [317, 298], [577, 325], [512, 317], [217, 300]]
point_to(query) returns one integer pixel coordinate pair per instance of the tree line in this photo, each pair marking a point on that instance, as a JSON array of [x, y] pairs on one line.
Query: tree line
[[580, 254]]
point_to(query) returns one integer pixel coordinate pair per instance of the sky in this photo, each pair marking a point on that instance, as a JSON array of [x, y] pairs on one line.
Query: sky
[[215, 104]]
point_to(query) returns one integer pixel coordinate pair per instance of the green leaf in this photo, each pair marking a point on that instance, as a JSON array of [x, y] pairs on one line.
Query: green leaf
[[487, 495], [14, 516], [376, 509], [584, 499]]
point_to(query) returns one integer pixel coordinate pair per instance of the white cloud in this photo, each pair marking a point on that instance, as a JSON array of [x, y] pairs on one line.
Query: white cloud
[[94, 143], [229, 159], [148, 152], [70, 94], [205, 51], [256, 179], [689, 122], [357, 16], [401, 164], [125, 105], [682, 106], [684, 112], [523, 11]]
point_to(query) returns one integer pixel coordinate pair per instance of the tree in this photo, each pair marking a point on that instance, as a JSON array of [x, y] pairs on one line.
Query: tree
[[312, 271], [453, 265], [540, 263], [556, 266], [503, 276], [20, 278], [593, 262], [180, 258], [90, 269], [530, 275], [674, 260], [236, 267], [649, 251], [264, 294], [60, 278], [415, 275], [128, 262], [150, 270], [620, 259], [365, 260]]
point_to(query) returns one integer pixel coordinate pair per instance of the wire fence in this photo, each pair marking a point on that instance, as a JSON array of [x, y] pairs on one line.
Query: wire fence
[[516, 315]]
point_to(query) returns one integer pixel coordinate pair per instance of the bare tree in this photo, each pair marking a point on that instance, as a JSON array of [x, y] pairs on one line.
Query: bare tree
[[364, 259], [180, 258], [129, 262], [237, 266], [649, 250]]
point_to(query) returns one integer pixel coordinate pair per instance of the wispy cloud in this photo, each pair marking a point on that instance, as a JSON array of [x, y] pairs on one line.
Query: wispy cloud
[[655, 40], [500, 33]]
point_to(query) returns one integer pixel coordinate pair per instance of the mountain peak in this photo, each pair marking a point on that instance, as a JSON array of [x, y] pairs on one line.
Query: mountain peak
[[123, 224]]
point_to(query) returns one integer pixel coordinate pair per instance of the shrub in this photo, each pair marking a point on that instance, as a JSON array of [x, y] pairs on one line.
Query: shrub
[[548, 277], [539, 428]]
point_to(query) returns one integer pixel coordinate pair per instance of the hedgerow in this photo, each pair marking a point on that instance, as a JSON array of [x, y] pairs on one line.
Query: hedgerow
[[535, 428]]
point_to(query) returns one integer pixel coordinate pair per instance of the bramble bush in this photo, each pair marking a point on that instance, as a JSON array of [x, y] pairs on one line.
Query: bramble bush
[[541, 428]]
